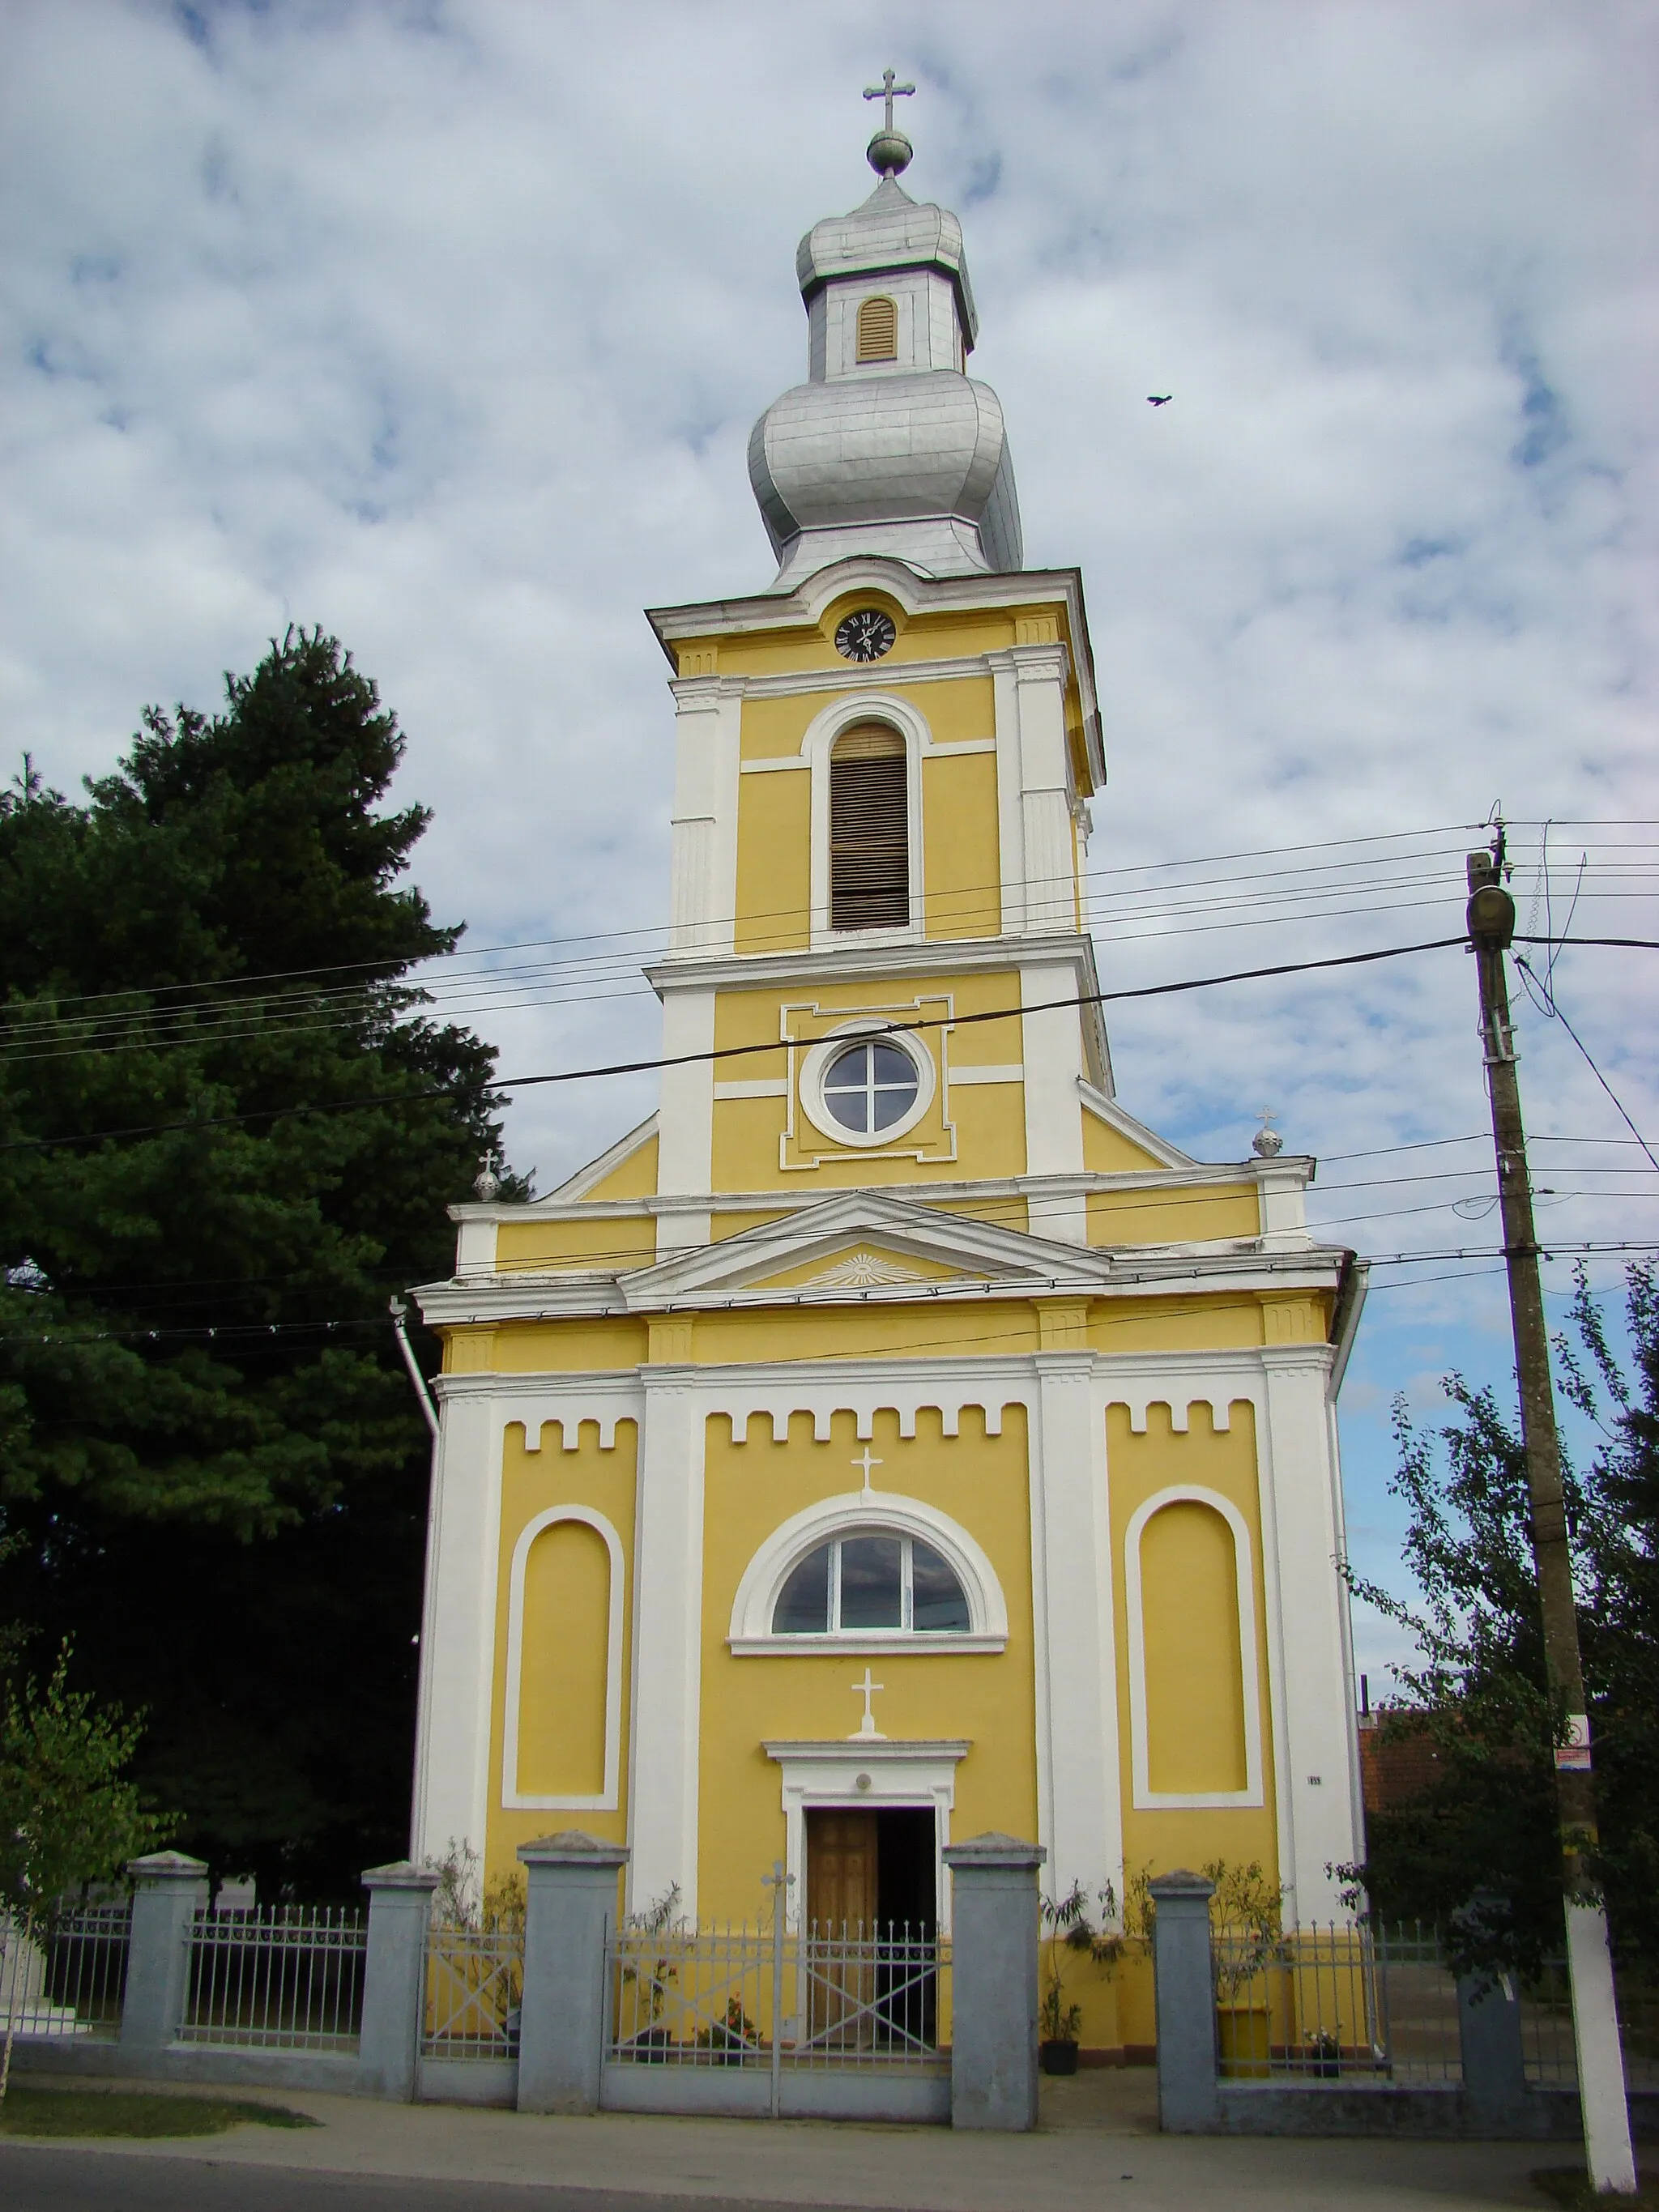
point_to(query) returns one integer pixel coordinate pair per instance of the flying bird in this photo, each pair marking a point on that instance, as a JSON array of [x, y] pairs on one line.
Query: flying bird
[[1159, 400]]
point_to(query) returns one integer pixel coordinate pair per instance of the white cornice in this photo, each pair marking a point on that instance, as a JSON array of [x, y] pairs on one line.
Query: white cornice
[[1178, 1272], [928, 955], [1290, 1169], [871, 1750]]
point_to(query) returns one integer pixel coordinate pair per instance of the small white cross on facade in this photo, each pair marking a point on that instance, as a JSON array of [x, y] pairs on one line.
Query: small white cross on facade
[[864, 1464], [890, 91], [866, 1728]]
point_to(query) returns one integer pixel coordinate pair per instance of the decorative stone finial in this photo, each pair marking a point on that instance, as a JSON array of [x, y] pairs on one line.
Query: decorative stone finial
[[487, 1184], [890, 152], [1267, 1144]]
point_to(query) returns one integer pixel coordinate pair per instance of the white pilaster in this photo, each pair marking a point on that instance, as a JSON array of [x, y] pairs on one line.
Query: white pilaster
[[667, 1673], [1045, 789], [703, 878], [1051, 1053], [685, 1117], [1011, 815], [1079, 1810], [1314, 1742], [458, 1635]]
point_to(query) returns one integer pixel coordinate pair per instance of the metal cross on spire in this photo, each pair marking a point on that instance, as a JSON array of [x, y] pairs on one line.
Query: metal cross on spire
[[888, 91]]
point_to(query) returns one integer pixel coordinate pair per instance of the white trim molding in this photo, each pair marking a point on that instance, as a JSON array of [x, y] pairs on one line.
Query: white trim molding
[[513, 1800], [1145, 1798], [866, 1773], [750, 1632]]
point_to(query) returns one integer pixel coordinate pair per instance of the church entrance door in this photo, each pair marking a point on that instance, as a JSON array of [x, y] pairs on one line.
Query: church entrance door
[[871, 1905]]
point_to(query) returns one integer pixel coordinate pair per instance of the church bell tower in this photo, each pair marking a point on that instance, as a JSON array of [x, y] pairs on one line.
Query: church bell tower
[[892, 1359]]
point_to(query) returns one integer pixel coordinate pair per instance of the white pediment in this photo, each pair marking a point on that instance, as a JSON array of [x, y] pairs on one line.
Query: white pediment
[[865, 1233]]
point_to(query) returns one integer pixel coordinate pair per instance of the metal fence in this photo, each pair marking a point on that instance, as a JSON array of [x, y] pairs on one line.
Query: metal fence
[[1546, 2035], [68, 1977], [1326, 2003], [474, 1989], [288, 1977], [860, 1998]]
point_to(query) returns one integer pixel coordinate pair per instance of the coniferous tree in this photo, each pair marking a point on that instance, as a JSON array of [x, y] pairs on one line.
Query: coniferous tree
[[226, 1133]]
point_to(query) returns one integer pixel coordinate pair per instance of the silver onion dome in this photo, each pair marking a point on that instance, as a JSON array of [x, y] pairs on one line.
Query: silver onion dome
[[893, 449]]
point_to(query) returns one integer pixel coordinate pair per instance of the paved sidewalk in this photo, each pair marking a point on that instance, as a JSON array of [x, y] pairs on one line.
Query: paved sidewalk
[[1097, 2151]]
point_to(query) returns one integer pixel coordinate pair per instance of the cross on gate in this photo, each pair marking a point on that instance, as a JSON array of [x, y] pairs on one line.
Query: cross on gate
[[867, 1689], [888, 91]]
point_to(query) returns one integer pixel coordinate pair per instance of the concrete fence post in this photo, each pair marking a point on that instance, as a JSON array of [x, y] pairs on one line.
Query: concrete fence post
[[1489, 2030], [570, 1905], [1189, 2097], [394, 1979], [1489, 2022], [994, 1982], [170, 1889]]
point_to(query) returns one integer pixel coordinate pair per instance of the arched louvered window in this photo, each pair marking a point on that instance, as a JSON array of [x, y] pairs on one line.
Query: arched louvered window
[[869, 830], [877, 330]]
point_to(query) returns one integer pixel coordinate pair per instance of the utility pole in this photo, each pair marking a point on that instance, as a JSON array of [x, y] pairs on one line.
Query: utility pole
[[1590, 1963]]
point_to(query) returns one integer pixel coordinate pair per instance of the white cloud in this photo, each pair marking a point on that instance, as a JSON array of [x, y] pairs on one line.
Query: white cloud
[[445, 324]]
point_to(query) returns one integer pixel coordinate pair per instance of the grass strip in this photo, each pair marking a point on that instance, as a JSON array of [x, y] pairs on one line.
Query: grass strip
[[66, 2112]]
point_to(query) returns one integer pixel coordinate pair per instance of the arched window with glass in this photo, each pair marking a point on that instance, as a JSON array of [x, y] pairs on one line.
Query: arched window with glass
[[871, 1580]]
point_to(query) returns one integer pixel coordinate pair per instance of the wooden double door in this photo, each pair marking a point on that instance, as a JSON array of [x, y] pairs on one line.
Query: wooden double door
[[872, 1871], [872, 1921]]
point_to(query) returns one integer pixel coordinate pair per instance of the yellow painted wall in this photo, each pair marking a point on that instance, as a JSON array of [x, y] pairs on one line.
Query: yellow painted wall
[[571, 1647], [635, 1175], [612, 1241], [775, 862], [981, 1481], [1195, 1678], [960, 859], [1172, 1214], [567, 1624], [1139, 1466], [1107, 1151]]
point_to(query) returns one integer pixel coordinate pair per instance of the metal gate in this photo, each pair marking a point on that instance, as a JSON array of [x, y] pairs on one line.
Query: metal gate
[[845, 2022]]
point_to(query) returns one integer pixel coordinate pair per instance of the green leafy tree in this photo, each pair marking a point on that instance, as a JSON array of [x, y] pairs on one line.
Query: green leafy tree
[[68, 1812], [1480, 1689], [227, 1131]]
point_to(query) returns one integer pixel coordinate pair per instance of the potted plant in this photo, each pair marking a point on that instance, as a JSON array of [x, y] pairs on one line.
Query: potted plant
[[1071, 1933]]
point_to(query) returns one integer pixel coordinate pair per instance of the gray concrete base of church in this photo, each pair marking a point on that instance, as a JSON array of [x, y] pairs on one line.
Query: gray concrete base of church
[[745, 2093]]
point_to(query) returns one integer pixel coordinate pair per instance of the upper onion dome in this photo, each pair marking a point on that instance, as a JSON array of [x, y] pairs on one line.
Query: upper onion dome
[[890, 446]]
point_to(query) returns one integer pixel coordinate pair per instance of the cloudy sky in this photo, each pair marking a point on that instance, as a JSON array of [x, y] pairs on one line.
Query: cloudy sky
[[444, 324]]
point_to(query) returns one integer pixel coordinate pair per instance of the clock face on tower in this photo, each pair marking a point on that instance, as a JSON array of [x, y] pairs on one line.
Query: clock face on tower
[[864, 634]]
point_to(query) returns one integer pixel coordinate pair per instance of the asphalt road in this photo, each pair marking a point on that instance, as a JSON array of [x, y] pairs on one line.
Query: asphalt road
[[41, 2181]]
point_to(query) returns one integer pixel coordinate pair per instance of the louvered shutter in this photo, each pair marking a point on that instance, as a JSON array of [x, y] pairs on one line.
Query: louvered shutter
[[869, 830], [877, 330]]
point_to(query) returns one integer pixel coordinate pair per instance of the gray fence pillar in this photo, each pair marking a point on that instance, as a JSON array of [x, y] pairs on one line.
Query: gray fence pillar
[[1494, 2063], [1188, 2100], [394, 1979], [994, 1982], [571, 1904], [170, 1890]]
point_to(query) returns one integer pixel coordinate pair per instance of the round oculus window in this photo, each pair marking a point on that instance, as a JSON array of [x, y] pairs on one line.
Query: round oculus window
[[870, 1087], [864, 634]]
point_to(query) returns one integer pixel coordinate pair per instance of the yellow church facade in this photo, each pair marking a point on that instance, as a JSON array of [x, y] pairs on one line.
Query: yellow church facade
[[893, 1439]]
